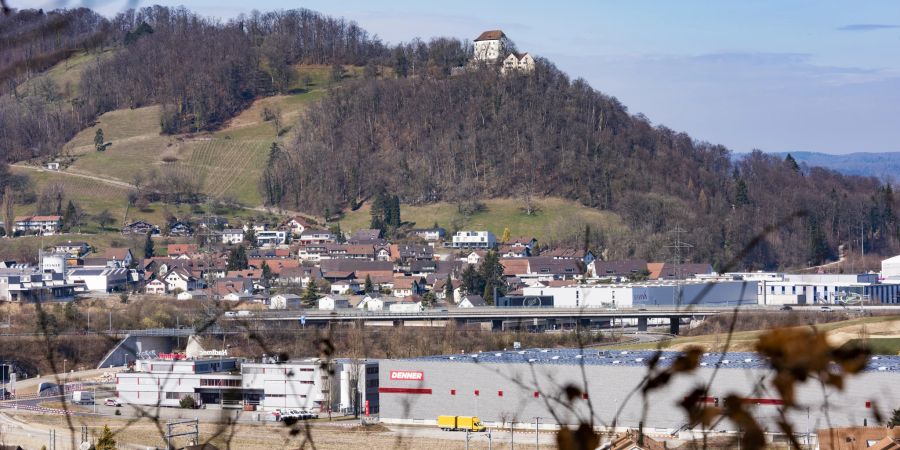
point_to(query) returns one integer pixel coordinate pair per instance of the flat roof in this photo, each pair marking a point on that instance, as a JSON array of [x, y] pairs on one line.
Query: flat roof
[[631, 358]]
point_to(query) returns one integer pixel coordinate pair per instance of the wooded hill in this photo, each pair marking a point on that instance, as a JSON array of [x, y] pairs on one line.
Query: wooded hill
[[412, 130]]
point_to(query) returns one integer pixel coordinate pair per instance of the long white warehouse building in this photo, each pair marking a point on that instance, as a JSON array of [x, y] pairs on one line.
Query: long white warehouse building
[[680, 293]]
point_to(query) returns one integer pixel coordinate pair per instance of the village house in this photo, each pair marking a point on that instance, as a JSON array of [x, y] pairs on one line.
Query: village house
[[317, 237], [232, 236], [630, 269], [517, 62], [440, 290], [111, 257], [297, 225], [406, 286], [472, 301], [345, 287], [180, 280], [176, 250], [156, 287], [76, 249], [180, 228], [585, 256], [474, 258], [140, 227], [284, 301], [45, 225], [375, 302], [409, 304], [299, 276], [430, 234], [366, 236], [333, 301], [312, 252], [271, 238], [474, 239]]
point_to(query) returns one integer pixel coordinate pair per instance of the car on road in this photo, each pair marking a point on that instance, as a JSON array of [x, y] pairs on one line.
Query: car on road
[[826, 309], [112, 402], [787, 308]]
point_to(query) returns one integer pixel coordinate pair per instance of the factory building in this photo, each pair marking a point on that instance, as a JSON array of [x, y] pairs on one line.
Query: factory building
[[664, 293], [164, 380], [815, 289], [516, 387]]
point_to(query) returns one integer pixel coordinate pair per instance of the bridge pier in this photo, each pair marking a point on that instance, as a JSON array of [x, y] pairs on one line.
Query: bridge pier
[[398, 323], [497, 325], [674, 325], [642, 324]]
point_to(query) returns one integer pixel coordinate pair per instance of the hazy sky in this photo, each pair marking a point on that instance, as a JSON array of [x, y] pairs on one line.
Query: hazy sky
[[774, 75]]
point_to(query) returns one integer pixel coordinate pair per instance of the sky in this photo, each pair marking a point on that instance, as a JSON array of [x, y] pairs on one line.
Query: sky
[[786, 75]]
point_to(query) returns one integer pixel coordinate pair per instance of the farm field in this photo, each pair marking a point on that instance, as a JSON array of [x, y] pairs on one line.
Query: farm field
[[226, 163], [555, 219]]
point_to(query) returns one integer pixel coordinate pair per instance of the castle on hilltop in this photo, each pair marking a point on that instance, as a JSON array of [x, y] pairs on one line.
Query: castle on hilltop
[[493, 45]]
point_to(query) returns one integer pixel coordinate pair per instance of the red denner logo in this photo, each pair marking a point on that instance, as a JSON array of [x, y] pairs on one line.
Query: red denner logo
[[407, 375]]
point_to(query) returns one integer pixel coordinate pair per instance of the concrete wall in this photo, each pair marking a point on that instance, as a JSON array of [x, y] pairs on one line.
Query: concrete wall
[[607, 387]]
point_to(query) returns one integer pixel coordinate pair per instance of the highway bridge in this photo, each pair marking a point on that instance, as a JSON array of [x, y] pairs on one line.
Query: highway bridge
[[496, 318]]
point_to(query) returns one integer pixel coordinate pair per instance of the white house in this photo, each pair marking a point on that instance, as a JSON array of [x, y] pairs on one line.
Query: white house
[[232, 236], [332, 302], [238, 297], [474, 239], [518, 62], [52, 165], [284, 301], [405, 286], [271, 237], [344, 287], [472, 301], [474, 258], [192, 295], [430, 234], [38, 224], [155, 287], [180, 280], [374, 302], [409, 304], [317, 237], [490, 46], [297, 225], [890, 268]]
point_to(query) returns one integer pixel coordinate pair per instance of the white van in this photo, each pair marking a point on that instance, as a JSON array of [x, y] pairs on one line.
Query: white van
[[83, 398]]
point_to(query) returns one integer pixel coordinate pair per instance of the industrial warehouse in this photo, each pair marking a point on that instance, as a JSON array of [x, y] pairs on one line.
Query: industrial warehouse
[[341, 386], [526, 387]]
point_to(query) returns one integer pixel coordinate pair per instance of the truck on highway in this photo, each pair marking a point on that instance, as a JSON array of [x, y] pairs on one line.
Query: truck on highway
[[83, 398], [460, 423]]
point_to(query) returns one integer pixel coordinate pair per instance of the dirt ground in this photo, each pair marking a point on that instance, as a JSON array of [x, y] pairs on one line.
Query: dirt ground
[[144, 433]]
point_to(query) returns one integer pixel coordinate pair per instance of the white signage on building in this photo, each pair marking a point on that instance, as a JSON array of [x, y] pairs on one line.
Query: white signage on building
[[407, 375], [214, 353]]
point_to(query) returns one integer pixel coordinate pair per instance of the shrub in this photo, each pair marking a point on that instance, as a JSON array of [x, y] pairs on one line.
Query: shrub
[[188, 402]]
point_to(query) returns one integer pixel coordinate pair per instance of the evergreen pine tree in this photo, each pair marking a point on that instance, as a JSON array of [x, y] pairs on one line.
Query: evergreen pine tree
[[99, 140], [395, 212], [741, 196], [70, 218], [895, 418], [369, 287], [106, 441], [237, 258], [149, 250], [311, 294], [448, 289], [792, 163], [266, 272]]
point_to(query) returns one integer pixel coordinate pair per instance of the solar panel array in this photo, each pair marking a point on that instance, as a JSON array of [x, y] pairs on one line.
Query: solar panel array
[[632, 358]]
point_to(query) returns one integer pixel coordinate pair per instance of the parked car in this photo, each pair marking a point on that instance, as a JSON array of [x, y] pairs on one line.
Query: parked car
[[112, 402]]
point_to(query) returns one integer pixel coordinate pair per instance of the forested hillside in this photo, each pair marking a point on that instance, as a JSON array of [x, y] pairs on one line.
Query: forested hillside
[[416, 128], [483, 134]]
